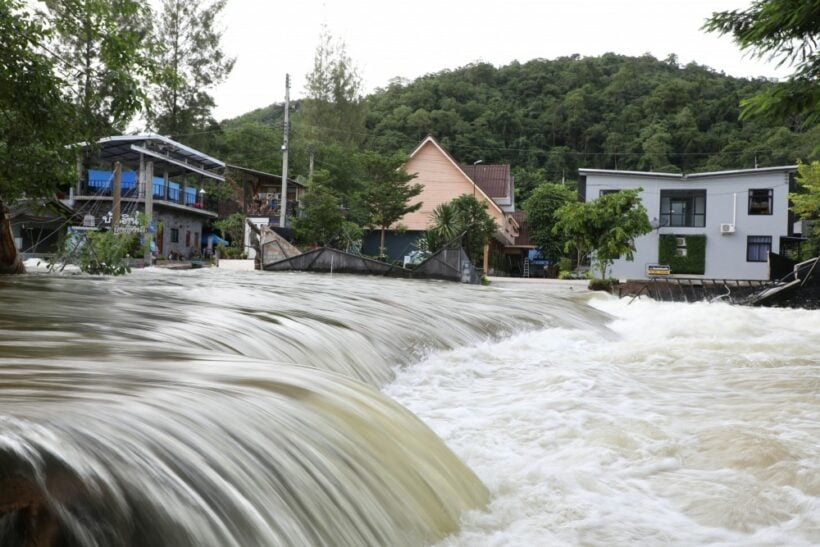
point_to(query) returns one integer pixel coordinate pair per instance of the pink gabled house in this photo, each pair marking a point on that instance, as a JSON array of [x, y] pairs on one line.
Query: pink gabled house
[[444, 179]]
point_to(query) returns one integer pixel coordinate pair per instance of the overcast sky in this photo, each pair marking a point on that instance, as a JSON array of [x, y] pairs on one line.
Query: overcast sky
[[390, 38]]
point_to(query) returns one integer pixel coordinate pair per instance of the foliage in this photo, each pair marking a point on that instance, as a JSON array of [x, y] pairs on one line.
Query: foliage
[[191, 62], [232, 228], [547, 118], [322, 217], [464, 214], [786, 30], [540, 207], [695, 260], [444, 226], [388, 191], [231, 252], [333, 111], [806, 202], [99, 253], [37, 118], [605, 285], [606, 226], [102, 47]]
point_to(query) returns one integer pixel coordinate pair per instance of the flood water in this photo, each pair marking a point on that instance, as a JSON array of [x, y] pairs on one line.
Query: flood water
[[214, 408]]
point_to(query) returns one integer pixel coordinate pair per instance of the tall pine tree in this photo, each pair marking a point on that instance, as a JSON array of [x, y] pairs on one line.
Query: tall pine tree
[[191, 61], [333, 111]]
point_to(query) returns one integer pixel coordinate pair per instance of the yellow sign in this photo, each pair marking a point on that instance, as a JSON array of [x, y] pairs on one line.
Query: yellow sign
[[655, 270]]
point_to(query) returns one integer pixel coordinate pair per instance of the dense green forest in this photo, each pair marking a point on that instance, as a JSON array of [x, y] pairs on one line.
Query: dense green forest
[[546, 118]]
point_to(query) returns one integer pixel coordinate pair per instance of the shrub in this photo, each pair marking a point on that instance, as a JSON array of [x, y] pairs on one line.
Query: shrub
[[602, 284]]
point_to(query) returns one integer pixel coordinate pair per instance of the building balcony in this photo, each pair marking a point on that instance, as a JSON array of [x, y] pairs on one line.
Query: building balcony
[[99, 186]]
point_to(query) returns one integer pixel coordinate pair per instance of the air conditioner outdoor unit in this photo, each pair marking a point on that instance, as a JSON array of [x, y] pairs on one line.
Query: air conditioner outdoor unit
[[727, 228]]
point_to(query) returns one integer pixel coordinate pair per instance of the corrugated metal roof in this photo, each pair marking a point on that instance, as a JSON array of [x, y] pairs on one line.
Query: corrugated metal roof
[[494, 180]]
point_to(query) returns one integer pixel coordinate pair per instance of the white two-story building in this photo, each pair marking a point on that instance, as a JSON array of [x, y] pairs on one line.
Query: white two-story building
[[719, 225]]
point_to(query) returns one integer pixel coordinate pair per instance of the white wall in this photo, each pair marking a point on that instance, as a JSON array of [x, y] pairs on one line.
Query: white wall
[[725, 254], [256, 221]]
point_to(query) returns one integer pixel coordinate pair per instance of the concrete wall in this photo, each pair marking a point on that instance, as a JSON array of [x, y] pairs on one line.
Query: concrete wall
[[190, 232], [727, 197]]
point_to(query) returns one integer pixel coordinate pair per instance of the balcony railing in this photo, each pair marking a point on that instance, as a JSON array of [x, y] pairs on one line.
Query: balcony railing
[[100, 183]]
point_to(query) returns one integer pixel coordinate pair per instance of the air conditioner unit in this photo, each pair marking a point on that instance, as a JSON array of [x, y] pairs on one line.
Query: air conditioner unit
[[680, 241], [727, 228]]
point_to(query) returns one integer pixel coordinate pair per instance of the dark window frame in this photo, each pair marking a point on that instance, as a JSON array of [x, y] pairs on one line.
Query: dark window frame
[[689, 217], [769, 196], [754, 246], [174, 235]]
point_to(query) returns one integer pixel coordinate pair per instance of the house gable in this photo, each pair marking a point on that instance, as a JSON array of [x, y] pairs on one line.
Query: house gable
[[443, 180]]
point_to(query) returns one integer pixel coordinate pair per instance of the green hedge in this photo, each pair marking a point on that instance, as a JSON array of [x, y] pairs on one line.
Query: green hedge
[[695, 260]]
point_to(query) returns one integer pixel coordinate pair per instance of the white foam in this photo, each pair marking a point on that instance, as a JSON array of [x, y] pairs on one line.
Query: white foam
[[699, 424]]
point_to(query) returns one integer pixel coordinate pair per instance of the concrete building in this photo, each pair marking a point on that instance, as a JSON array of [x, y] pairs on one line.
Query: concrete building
[[719, 225], [178, 204]]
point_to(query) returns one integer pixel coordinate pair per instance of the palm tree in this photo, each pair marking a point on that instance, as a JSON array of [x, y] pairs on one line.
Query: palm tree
[[445, 226]]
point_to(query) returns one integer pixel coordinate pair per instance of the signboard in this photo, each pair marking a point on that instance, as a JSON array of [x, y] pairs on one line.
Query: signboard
[[657, 270], [129, 224]]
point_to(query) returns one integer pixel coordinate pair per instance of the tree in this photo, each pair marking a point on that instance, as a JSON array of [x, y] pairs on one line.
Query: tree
[[191, 61], [102, 46], [35, 125], [232, 228], [606, 226], [462, 215], [806, 203], [333, 111], [388, 191], [322, 217], [444, 226], [786, 30], [540, 207]]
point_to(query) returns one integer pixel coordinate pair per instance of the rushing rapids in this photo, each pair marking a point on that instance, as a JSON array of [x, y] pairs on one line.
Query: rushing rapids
[[204, 408]]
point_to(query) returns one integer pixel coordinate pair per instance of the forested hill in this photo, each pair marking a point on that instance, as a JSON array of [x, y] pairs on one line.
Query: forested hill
[[549, 117]]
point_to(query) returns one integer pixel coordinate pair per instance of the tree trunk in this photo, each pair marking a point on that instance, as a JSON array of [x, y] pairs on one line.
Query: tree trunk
[[10, 262], [381, 245]]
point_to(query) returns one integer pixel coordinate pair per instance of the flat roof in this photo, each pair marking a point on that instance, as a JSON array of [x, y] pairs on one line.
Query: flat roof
[[682, 176]]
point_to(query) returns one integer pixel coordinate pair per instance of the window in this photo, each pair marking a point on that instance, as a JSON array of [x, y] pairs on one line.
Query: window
[[187, 238], [602, 193], [760, 202], [757, 248], [683, 208], [174, 235]]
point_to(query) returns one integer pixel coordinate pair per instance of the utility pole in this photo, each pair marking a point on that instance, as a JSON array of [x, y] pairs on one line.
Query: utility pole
[[148, 176], [283, 209], [116, 197]]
